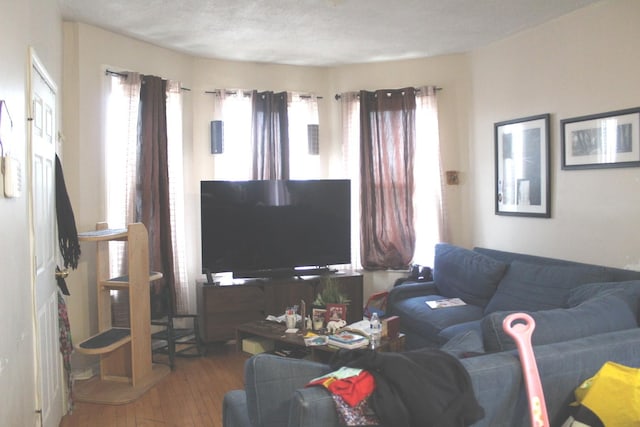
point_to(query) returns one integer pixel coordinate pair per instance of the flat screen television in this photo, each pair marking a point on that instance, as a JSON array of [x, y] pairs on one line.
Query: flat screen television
[[273, 228]]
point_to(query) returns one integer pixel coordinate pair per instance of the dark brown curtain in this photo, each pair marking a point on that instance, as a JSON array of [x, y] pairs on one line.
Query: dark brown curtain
[[152, 200], [270, 135], [387, 144]]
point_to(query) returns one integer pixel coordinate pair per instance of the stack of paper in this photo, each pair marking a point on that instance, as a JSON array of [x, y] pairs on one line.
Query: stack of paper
[[347, 339], [446, 302]]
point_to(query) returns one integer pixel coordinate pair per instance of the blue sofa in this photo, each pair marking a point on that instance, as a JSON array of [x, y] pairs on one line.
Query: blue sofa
[[585, 315], [494, 283]]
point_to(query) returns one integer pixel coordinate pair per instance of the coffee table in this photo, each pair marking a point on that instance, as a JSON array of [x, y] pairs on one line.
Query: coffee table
[[276, 332]]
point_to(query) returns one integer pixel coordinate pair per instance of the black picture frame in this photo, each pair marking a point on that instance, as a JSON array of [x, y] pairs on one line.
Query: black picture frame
[[522, 174], [599, 141]]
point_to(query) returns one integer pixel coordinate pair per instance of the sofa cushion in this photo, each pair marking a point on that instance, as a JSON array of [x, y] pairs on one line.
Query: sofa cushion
[[463, 273], [452, 331], [417, 318], [582, 293], [534, 287], [597, 315], [465, 344]]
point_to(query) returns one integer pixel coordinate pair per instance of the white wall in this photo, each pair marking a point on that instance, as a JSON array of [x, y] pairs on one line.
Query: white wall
[[20, 27], [583, 63]]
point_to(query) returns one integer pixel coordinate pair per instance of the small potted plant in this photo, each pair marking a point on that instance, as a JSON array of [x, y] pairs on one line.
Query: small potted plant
[[330, 293], [329, 296]]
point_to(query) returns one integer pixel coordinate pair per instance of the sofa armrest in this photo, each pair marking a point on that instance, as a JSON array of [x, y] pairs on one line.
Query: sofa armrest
[[410, 290], [313, 407], [270, 382], [234, 409], [499, 386]]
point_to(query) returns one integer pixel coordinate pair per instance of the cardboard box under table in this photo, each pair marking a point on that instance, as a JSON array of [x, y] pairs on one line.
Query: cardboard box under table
[[255, 345]]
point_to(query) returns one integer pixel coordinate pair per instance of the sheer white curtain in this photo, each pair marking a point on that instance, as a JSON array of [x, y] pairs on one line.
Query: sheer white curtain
[[176, 196], [302, 112], [429, 207], [121, 139], [121, 146], [350, 116]]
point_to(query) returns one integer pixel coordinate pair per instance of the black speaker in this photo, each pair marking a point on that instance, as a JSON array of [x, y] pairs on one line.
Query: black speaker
[[217, 137], [312, 139]]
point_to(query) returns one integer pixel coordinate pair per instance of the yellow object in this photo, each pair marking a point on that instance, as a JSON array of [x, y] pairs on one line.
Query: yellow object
[[256, 345], [613, 394]]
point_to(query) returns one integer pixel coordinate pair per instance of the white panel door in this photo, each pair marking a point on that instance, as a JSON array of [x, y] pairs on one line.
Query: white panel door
[[42, 117]]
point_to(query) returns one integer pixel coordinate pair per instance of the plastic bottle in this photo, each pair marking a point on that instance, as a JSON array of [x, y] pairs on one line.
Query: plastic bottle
[[376, 330]]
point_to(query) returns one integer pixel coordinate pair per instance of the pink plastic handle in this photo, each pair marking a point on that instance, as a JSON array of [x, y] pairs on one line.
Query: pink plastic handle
[[521, 334]]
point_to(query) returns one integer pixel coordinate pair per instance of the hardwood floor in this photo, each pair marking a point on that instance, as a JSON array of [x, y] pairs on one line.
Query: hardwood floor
[[190, 396]]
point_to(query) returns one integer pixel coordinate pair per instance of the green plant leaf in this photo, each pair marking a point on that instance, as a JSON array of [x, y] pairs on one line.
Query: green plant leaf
[[330, 293]]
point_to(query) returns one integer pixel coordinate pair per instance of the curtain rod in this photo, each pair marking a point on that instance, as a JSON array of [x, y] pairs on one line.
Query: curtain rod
[[109, 72], [233, 92], [227, 92], [338, 96]]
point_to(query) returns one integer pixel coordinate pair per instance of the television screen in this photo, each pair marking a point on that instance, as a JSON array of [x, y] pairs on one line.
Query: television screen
[[255, 228]]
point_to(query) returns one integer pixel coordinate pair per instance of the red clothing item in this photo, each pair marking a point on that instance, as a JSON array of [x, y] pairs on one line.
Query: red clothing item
[[352, 390]]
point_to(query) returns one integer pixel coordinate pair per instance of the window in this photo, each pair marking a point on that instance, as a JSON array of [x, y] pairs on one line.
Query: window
[[233, 107], [427, 197], [120, 160], [304, 160], [121, 145], [428, 200]]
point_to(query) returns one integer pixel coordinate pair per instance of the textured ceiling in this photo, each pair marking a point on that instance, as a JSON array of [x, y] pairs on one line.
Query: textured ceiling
[[317, 32]]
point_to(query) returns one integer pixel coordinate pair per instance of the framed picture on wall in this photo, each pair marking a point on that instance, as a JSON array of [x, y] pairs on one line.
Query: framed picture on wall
[[522, 167], [606, 140]]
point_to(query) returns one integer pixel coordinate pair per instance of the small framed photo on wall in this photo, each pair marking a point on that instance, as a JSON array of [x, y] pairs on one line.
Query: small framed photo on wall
[[606, 140], [522, 167]]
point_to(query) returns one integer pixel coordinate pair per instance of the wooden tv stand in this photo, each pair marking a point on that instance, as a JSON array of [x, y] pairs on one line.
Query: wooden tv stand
[[222, 308]]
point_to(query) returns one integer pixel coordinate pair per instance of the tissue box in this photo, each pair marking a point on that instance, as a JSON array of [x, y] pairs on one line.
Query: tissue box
[[256, 345]]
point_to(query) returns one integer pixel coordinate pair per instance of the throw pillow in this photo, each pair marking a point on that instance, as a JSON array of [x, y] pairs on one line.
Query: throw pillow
[[598, 315], [535, 287], [463, 273]]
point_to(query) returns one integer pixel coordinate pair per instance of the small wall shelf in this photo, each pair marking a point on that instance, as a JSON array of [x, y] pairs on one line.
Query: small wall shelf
[[126, 370]]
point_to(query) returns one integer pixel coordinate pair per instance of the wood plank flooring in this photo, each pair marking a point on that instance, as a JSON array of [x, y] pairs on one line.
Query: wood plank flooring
[[191, 396]]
